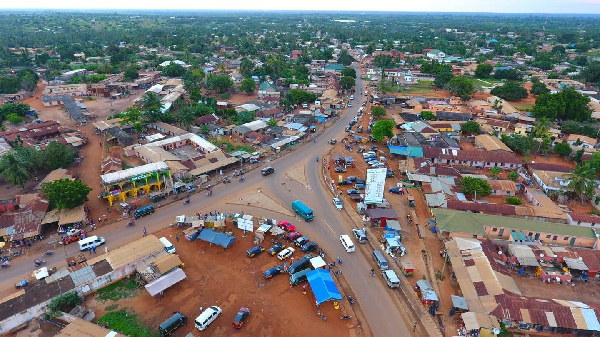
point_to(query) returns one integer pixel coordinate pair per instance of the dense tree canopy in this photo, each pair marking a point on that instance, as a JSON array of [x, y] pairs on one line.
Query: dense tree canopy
[[483, 70], [66, 193], [461, 86], [472, 186], [565, 105], [511, 90], [219, 83], [377, 111], [248, 85], [383, 128]]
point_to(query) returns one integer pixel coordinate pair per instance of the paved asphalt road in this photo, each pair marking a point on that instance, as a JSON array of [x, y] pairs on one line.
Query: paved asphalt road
[[380, 307]]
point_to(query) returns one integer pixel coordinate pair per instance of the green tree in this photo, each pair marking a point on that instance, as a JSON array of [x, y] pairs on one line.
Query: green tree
[[470, 127], [383, 61], [345, 58], [591, 73], [582, 181], [131, 74], [495, 171], [383, 128], [377, 111], [246, 67], [219, 83], [347, 82], [272, 122], [563, 149], [152, 107], [513, 201], [13, 118], [173, 70], [349, 72], [131, 116], [519, 143], [565, 105], [14, 170], [9, 85], [475, 186], [537, 87], [58, 155], [541, 128], [460, 86], [508, 74], [248, 86], [63, 303], [513, 175], [299, 96], [443, 78], [427, 115], [28, 79], [185, 116], [483, 70], [511, 90], [66, 193], [384, 86]]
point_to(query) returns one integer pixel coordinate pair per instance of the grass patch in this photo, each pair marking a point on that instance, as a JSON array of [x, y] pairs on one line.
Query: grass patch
[[116, 291], [248, 149], [522, 106], [111, 307], [125, 166], [128, 323], [420, 90]]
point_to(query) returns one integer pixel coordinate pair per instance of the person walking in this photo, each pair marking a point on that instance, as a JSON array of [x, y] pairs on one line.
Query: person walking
[[144, 231], [177, 237]]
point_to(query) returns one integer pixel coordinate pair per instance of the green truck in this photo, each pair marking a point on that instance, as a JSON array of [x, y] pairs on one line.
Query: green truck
[[302, 210]]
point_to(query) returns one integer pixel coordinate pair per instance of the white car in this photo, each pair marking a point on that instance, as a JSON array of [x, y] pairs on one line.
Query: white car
[[284, 254], [338, 204]]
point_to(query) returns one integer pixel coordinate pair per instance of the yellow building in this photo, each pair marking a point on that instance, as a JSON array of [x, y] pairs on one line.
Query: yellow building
[[132, 182]]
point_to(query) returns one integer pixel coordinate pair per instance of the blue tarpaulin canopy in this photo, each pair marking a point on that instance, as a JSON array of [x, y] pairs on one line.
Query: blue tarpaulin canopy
[[410, 151], [322, 285], [218, 238]]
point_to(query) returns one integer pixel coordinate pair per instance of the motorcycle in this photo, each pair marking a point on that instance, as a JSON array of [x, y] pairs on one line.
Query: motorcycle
[[6, 264], [187, 201], [346, 317], [350, 299], [241, 178], [337, 272], [339, 260], [321, 315], [130, 223], [373, 272]]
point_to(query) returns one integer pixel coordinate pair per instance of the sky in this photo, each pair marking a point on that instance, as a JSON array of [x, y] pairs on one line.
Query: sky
[[495, 6]]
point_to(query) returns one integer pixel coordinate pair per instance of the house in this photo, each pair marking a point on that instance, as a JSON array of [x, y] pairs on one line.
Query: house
[[550, 181], [243, 129], [295, 54], [473, 158], [452, 116], [333, 68], [580, 140], [503, 187], [436, 54], [445, 126], [523, 129], [499, 126], [66, 89], [546, 208], [270, 113], [207, 119], [267, 89], [583, 219], [491, 143], [247, 108]]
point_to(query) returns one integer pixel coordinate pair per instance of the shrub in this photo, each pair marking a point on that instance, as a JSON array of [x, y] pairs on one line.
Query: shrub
[[513, 200], [63, 303]]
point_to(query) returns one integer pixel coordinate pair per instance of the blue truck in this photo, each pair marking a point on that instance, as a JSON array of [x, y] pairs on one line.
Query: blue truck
[[302, 210]]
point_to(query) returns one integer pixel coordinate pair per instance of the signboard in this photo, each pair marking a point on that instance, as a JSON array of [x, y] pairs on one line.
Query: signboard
[[142, 176], [389, 235], [246, 225], [375, 185]]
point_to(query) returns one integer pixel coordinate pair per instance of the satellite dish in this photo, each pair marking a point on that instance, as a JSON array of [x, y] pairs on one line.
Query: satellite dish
[[580, 258], [541, 255], [496, 331]]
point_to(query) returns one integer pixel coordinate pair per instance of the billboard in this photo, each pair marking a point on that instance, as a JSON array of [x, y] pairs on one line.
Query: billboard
[[375, 185]]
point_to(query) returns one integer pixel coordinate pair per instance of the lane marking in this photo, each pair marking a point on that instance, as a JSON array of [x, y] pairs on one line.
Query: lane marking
[[330, 228]]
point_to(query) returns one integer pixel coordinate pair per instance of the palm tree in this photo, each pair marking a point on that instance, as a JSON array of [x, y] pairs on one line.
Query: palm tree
[[541, 128], [14, 170], [582, 181], [185, 116]]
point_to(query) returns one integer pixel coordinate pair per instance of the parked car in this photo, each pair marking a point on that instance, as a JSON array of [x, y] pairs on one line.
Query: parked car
[[284, 254], [389, 174], [293, 236], [286, 226], [360, 235], [273, 271], [376, 164], [394, 190], [241, 317], [364, 103], [267, 170], [359, 181], [338, 204], [348, 128], [369, 129], [353, 191], [352, 122], [340, 169], [310, 246], [359, 186], [301, 241], [252, 252], [360, 129], [276, 248], [351, 178], [349, 105], [344, 182], [370, 153]]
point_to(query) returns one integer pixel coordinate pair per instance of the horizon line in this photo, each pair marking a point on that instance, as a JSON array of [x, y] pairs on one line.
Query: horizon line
[[282, 10]]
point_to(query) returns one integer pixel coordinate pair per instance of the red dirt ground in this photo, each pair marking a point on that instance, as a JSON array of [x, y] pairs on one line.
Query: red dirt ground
[[230, 280]]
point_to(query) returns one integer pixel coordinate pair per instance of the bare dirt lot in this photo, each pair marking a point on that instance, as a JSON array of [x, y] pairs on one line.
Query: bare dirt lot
[[230, 280]]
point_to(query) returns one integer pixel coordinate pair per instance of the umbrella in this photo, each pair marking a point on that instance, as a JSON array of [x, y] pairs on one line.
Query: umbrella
[[135, 201]]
